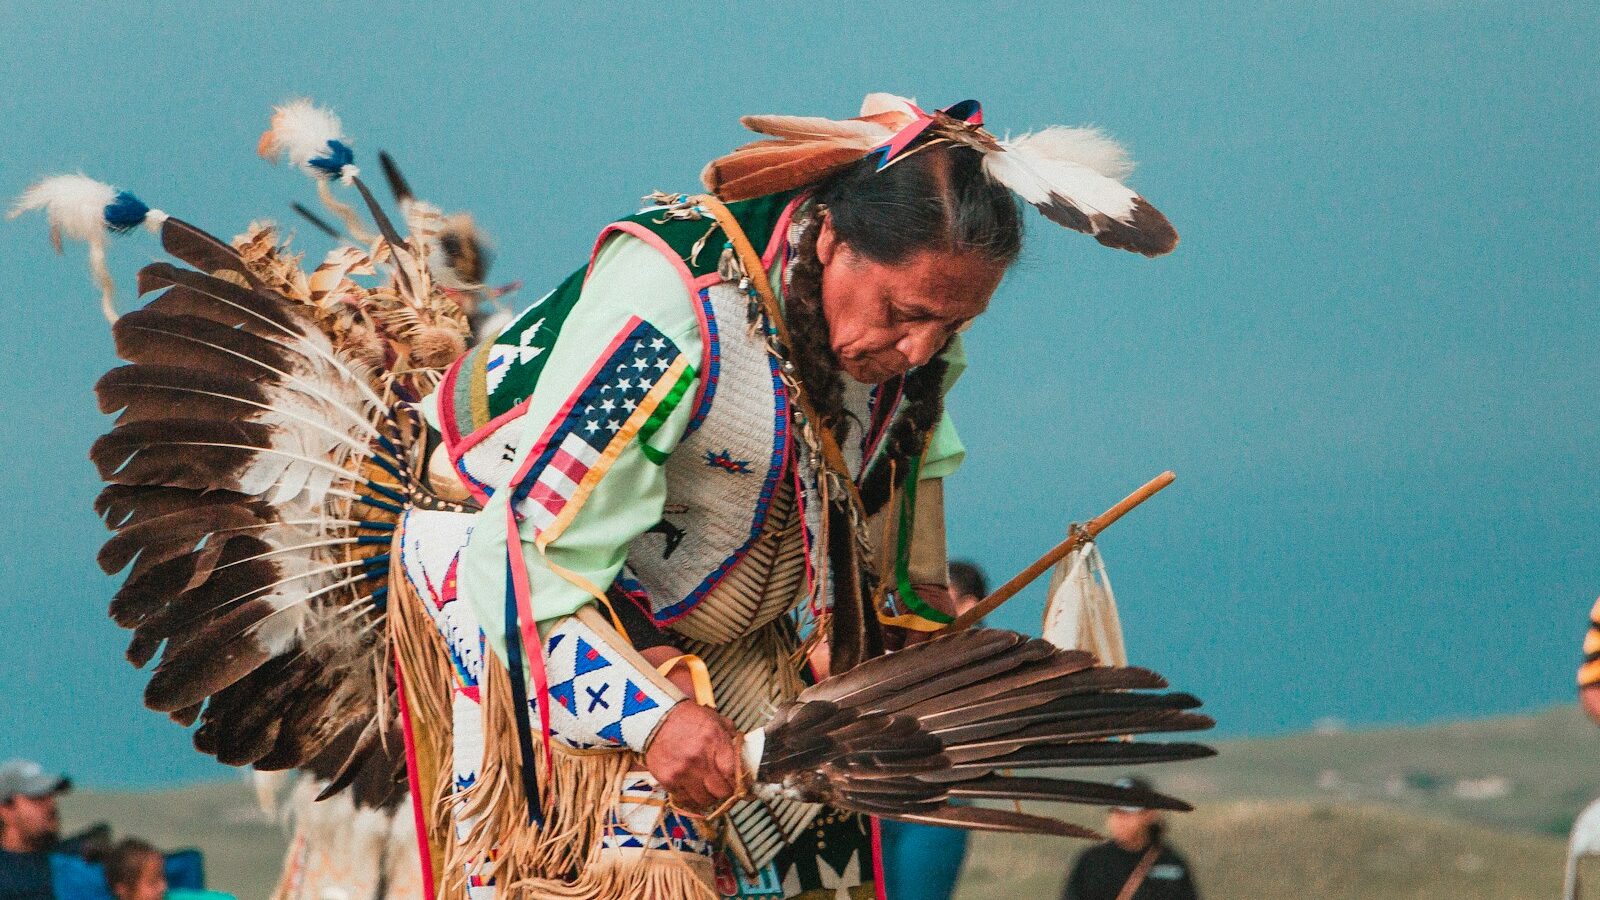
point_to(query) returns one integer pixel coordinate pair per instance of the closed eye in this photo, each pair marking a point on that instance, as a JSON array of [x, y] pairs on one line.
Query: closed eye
[[912, 314]]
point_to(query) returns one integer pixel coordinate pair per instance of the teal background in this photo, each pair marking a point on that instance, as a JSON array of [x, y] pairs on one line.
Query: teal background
[[1371, 361]]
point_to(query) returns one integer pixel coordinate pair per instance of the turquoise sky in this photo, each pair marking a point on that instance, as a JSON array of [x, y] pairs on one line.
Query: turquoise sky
[[1371, 361]]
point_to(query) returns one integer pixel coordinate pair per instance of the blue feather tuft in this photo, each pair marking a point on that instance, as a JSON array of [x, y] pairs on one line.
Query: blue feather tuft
[[125, 212], [339, 156]]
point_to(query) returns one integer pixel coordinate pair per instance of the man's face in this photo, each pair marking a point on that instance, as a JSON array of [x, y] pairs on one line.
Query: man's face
[[1130, 830], [883, 320], [33, 821]]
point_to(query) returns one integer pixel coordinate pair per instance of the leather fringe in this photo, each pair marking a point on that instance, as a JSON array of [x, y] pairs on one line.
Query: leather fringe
[[580, 791], [652, 876], [429, 676]]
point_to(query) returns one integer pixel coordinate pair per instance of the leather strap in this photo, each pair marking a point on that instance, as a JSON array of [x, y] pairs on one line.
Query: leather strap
[[699, 675], [1140, 872]]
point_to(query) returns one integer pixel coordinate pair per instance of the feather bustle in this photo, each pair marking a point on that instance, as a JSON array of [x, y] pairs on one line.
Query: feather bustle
[[204, 251], [220, 300]]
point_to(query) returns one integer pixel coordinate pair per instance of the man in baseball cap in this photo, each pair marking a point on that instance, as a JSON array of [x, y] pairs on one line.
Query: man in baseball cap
[[1137, 863], [29, 828]]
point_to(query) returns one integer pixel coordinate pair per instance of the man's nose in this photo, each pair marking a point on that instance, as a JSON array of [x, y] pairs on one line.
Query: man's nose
[[917, 348]]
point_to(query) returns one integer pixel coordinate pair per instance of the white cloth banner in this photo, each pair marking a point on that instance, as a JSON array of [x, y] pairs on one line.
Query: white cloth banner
[[1082, 610]]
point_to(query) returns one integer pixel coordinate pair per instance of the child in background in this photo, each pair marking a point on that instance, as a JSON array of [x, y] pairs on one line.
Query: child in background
[[137, 871]]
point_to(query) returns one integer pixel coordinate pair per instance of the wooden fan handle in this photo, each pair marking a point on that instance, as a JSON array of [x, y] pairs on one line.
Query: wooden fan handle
[[1078, 538]]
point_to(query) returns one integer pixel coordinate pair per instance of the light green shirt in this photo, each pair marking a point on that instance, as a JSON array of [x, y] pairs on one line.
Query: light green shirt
[[629, 278]]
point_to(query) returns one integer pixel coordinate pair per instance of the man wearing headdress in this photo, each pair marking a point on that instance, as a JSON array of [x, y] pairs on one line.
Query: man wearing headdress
[[694, 537], [632, 514]]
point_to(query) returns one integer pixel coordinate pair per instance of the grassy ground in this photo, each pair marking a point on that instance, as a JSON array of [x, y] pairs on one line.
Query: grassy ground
[[1532, 773], [1251, 850], [1469, 811]]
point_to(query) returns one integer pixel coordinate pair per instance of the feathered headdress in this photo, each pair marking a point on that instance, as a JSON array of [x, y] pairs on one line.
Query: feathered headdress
[[312, 138], [1072, 175]]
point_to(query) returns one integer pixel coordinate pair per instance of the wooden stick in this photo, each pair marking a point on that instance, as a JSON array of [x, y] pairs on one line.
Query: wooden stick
[[1078, 538]]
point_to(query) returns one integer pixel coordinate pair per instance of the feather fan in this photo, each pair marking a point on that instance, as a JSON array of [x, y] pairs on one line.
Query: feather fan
[[903, 735]]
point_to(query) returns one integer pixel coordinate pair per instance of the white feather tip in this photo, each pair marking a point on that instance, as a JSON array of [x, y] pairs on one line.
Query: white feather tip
[[879, 102], [75, 206], [1088, 147], [81, 208]]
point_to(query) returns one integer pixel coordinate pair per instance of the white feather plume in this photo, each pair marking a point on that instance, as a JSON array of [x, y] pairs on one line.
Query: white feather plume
[[1082, 146], [75, 206], [300, 131]]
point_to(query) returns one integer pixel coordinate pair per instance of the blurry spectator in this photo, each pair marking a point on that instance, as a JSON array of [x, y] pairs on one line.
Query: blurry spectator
[[923, 862], [1589, 674], [132, 869], [967, 586], [30, 828], [1136, 864], [136, 871]]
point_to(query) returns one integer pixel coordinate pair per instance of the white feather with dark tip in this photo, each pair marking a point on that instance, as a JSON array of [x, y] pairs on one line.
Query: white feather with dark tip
[[1071, 175]]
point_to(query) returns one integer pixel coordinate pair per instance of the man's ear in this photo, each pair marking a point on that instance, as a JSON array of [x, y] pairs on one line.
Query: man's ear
[[827, 240]]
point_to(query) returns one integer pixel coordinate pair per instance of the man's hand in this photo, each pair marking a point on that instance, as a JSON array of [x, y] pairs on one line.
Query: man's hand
[[694, 756]]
